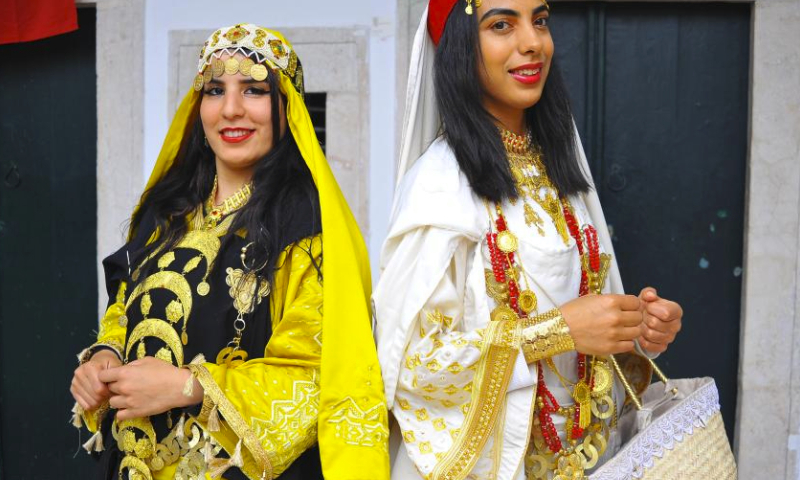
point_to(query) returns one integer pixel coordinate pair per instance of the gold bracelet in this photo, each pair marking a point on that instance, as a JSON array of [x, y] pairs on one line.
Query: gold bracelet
[[545, 335]]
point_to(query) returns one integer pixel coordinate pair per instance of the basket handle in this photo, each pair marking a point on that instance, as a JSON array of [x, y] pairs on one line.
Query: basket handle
[[637, 402]]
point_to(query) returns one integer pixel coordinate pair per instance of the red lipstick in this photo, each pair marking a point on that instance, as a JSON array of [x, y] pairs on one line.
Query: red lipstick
[[234, 135], [528, 77]]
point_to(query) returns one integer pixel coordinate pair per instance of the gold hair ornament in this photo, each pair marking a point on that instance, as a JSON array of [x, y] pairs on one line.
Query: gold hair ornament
[[469, 8], [263, 49]]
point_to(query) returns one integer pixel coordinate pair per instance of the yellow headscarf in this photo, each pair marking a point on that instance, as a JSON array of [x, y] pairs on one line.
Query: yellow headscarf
[[350, 383]]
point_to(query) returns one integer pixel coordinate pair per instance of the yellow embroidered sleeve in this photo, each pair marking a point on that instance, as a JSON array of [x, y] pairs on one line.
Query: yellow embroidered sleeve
[[111, 334], [271, 404]]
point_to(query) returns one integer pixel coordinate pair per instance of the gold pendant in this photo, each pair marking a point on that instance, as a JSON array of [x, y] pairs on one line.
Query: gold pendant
[[231, 357], [583, 397], [602, 378], [507, 242], [203, 289], [497, 291], [184, 338], [527, 301]]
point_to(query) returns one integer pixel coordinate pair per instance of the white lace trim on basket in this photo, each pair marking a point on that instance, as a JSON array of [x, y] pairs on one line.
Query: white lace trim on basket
[[640, 453]]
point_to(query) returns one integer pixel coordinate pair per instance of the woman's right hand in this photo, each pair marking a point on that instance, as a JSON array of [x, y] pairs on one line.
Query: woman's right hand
[[86, 388], [603, 324]]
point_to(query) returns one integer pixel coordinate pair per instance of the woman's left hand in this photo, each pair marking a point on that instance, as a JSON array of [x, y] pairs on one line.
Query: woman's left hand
[[661, 323], [148, 386]]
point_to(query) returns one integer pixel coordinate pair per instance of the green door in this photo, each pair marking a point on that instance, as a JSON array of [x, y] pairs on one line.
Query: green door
[[48, 260], [660, 92]]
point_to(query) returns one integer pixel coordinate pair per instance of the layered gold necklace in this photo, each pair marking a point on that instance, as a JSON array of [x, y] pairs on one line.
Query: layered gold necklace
[[530, 177], [215, 213]]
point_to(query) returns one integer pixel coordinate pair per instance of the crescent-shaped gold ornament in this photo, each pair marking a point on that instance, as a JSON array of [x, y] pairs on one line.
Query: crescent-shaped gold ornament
[[157, 328], [167, 280], [204, 242]]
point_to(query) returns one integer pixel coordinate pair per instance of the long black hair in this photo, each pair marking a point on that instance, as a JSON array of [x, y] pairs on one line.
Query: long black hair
[[469, 128], [282, 189]]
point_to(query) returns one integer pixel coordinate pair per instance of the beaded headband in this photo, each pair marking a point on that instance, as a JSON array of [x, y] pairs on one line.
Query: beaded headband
[[263, 49]]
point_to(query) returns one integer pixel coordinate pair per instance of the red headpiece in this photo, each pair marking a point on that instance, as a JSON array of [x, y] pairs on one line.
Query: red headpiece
[[438, 11]]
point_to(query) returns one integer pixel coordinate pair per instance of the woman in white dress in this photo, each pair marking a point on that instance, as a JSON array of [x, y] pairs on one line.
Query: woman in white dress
[[500, 312]]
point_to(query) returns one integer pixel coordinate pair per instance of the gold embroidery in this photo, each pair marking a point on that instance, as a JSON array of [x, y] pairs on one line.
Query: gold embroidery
[[153, 327], [409, 437], [171, 281], [293, 421], [174, 311], [438, 424], [433, 366], [422, 414], [403, 403], [491, 383], [425, 447], [192, 264], [164, 354], [455, 368], [437, 318], [359, 427], [166, 260], [263, 467]]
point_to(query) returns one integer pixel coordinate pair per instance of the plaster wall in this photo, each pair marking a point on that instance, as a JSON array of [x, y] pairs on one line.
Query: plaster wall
[[768, 420]]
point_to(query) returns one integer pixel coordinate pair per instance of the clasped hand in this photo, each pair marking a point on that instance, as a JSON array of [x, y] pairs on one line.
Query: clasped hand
[[608, 324], [144, 387]]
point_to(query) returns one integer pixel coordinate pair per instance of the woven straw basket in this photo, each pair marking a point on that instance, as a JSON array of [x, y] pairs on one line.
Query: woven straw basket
[[677, 434]]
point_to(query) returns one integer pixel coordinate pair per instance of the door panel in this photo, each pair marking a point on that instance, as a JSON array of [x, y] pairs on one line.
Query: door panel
[[48, 286], [661, 101]]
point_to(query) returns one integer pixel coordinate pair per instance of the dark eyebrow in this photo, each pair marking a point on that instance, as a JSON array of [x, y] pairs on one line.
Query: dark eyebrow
[[512, 13], [500, 11]]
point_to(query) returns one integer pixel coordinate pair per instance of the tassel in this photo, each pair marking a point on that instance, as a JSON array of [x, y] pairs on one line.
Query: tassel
[[236, 459], [77, 414], [213, 420], [219, 466], [95, 443], [179, 434], [208, 453]]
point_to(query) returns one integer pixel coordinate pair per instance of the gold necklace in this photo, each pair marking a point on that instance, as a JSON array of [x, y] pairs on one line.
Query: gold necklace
[[215, 213], [530, 177]]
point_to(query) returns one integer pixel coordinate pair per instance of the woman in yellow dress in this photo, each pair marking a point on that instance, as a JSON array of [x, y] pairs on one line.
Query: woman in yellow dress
[[231, 346]]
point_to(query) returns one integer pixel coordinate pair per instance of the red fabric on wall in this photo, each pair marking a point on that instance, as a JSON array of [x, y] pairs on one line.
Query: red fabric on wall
[[26, 20]]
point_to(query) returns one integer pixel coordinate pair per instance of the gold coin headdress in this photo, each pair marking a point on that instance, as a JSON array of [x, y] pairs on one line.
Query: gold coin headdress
[[262, 49], [351, 395]]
